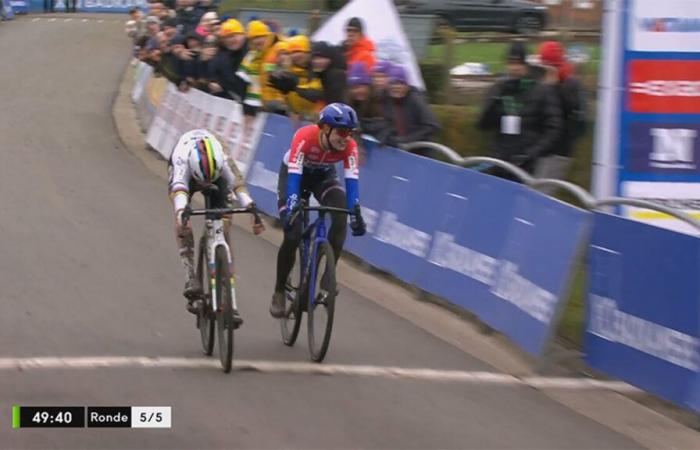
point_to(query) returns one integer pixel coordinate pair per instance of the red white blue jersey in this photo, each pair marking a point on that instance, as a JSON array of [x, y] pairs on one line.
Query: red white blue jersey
[[306, 153]]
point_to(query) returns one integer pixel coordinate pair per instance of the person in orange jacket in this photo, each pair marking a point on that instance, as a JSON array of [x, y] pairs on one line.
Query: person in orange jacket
[[358, 48]]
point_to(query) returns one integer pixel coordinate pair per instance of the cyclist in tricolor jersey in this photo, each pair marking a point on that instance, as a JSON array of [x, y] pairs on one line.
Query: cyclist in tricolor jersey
[[309, 165], [198, 161]]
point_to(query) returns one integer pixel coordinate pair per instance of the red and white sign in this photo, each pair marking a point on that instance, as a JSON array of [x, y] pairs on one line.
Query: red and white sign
[[666, 87]]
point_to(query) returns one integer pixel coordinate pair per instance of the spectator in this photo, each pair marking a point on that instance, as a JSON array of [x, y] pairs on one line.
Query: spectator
[[380, 77], [191, 68], [152, 26], [232, 48], [364, 101], [328, 65], [188, 16], [140, 48], [278, 59], [260, 39], [70, 6], [358, 47], [139, 23], [300, 76], [523, 113], [161, 12], [208, 24], [408, 115], [170, 28], [49, 5], [559, 75], [169, 63], [205, 6]]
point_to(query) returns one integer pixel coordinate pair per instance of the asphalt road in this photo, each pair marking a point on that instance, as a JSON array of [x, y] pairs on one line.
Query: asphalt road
[[88, 267]]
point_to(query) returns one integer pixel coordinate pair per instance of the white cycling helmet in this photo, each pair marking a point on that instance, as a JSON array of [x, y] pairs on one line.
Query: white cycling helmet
[[206, 158]]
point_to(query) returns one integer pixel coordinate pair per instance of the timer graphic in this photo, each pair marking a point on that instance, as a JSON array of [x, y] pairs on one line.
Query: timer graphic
[[48, 416]]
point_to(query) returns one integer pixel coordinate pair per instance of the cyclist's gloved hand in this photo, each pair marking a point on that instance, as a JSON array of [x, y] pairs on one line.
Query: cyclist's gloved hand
[[291, 212], [357, 223]]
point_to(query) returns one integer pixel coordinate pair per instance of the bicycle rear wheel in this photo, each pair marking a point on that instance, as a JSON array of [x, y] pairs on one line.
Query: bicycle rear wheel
[[293, 300], [224, 312], [205, 316], [322, 308]]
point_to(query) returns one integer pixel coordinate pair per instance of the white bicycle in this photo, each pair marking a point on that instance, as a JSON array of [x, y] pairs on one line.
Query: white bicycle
[[214, 258]]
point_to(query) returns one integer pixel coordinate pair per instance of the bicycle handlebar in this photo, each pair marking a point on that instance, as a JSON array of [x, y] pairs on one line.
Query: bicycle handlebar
[[303, 206], [220, 212]]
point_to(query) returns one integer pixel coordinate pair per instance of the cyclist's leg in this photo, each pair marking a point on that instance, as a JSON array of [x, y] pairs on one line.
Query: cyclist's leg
[[328, 192], [287, 252], [185, 242]]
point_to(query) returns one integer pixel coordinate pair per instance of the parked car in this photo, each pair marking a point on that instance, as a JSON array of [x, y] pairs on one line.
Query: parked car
[[519, 16]]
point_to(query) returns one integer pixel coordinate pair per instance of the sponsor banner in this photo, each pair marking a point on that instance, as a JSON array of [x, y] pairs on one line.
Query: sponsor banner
[[181, 112], [160, 126], [643, 314], [682, 196], [664, 86], [664, 26], [382, 26], [262, 176], [650, 104], [663, 148], [116, 6], [143, 74]]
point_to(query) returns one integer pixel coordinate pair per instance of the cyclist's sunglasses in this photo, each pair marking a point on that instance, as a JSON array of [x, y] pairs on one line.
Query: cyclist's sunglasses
[[343, 132]]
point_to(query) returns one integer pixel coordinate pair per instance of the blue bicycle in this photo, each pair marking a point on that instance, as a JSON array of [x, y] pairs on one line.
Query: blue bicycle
[[312, 287]]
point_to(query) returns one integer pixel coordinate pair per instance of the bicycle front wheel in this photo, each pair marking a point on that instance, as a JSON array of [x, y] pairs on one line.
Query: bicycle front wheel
[[321, 306], [224, 311], [293, 301], [205, 315]]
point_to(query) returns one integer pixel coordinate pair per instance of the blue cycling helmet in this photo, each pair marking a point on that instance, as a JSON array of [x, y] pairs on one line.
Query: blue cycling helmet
[[338, 115]]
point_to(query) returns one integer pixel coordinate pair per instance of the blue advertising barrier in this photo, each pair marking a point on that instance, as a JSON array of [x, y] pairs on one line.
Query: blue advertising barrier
[[496, 248], [95, 6], [262, 177], [6, 10], [643, 314], [18, 6]]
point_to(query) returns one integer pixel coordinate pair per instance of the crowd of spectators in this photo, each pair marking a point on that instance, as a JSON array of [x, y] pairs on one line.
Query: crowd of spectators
[[535, 112], [259, 66]]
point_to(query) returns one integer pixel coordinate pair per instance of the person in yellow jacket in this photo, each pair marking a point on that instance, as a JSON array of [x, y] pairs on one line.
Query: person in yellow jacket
[[300, 51], [260, 40], [277, 59]]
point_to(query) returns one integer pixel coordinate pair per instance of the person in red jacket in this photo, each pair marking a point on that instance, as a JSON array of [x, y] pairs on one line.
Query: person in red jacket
[[358, 48]]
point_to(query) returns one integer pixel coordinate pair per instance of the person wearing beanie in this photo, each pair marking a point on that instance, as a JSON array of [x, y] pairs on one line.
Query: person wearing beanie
[[364, 101], [276, 60], [559, 75], [357, 46], [223, 81], [260, 41], [522, 113], [380, 77], [328, 66], [409, 117]]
